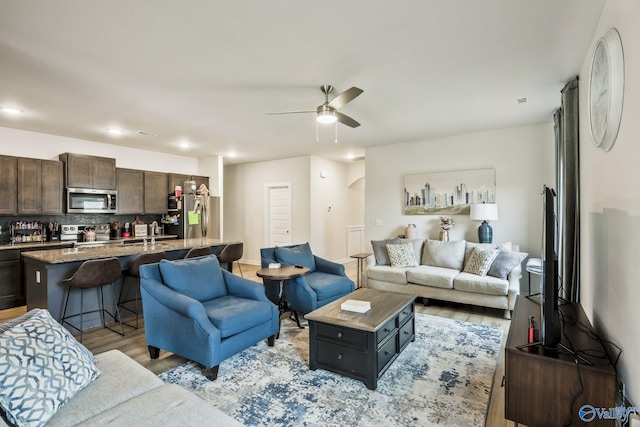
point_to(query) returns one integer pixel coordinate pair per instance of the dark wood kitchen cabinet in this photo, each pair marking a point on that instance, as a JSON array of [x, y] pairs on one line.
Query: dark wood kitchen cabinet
[[179, 179], [130, 186], [52, 190], [29, 185], [83, 171], [155, 192], [11, 289], [40, 186], [8, 185]]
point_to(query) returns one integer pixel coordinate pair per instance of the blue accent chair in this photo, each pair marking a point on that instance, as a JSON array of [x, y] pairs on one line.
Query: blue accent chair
[[197, 310], [326, 281]]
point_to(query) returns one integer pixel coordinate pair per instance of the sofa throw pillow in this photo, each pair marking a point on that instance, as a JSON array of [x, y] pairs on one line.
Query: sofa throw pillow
[[417, 247], [402, 255], [43, 366], [297, 255], [380, 250], [443, 254], [480, 261], [505, 262], [5, 326], [469, 246], [198, 278]]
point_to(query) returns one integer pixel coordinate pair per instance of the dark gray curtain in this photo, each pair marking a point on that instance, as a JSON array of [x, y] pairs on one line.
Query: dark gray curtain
[[568, 192]]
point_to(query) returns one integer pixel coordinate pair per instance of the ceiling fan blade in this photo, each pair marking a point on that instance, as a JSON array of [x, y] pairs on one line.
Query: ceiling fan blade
[[289, 112], [346, 120], [345, 97]]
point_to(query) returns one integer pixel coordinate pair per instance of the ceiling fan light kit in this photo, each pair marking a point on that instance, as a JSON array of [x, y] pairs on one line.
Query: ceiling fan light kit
[[327, 113]]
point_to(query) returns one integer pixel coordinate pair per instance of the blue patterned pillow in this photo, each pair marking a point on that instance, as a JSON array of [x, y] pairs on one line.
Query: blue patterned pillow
[[42, 367], [5, 326]]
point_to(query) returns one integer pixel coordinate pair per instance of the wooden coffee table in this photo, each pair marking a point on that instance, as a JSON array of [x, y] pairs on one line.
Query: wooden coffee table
[[361, 345]]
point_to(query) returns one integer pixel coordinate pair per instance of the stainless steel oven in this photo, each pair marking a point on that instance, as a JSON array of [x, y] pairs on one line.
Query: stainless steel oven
[[88, 200]]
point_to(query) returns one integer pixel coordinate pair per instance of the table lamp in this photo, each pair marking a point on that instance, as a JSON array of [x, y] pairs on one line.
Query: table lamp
[[484, 212]]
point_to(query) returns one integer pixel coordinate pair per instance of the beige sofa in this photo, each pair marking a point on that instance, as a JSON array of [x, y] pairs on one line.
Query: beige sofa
[[440, 274], [127, 394], [50, 378]]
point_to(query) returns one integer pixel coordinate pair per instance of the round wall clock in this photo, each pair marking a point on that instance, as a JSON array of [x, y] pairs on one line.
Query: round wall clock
[[606, 89]]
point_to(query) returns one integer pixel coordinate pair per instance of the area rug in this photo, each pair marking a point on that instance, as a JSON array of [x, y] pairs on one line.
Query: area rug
[[444, 378]]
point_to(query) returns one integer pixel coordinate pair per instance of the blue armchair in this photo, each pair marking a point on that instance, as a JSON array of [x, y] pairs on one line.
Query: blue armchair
[[326, 281], [197, 310]]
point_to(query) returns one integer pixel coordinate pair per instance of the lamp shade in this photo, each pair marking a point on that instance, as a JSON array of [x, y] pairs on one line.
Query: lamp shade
[[484, 212]]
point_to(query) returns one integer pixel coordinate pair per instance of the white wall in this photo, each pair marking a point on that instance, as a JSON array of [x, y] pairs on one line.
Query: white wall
[[21, 143], [523, 159], [244, 195], [322, 208], [610, 205]]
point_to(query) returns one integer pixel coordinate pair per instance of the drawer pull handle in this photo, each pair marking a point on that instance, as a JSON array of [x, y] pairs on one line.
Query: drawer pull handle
[[386, 353], [339, 334], [386, 330], [406, 333], [340, 357], [405, 313]]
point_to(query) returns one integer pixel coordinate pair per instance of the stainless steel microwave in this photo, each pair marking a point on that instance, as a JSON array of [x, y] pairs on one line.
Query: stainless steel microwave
[[88, 200]]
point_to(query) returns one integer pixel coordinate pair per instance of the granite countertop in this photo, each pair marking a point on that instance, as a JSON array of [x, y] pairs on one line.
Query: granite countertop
[[59, 256], [57, 243]]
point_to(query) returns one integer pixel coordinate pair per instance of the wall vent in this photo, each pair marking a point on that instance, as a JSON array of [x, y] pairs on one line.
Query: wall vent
[[144, 132]]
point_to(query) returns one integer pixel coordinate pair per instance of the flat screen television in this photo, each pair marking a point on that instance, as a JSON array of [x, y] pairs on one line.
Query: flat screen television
[[550, 327]]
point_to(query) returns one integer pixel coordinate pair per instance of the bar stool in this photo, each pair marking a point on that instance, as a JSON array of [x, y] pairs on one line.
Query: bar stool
[[232, 252], [134, 271], [94, 274], [196, 252]]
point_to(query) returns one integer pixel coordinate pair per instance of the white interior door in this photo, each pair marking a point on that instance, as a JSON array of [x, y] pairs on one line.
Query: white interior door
[[279, 214]]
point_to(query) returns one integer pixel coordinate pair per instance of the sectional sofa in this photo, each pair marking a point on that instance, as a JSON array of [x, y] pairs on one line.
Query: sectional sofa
[[457, 271]]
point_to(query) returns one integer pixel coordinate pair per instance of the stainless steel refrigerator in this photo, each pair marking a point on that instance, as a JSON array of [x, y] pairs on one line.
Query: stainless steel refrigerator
[[198, 216]]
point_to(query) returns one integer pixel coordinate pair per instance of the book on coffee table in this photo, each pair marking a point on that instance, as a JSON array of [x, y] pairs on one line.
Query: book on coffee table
[[356, 306]]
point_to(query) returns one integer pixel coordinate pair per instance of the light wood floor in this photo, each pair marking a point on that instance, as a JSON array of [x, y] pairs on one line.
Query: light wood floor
[[133, 343]]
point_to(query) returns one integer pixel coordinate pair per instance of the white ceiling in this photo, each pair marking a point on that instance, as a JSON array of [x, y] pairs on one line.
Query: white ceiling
[[207, 71]]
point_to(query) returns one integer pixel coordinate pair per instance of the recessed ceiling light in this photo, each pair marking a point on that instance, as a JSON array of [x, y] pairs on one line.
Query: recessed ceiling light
[[115, 131], [231, 154], [185, 144], [11, 110]]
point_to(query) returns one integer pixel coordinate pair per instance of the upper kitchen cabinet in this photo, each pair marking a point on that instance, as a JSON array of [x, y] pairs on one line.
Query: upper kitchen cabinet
[[52, 195], [83, 171], [130, 186], [40, 186], [29, 185], [155, 192], [179, 179], [8, 185]]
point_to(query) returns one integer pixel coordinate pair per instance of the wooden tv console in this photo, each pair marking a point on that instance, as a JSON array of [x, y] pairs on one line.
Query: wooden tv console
[[540, 385]]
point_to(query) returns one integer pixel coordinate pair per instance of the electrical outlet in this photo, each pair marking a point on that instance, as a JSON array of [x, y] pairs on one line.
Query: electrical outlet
[[37, 276], [378, 223]]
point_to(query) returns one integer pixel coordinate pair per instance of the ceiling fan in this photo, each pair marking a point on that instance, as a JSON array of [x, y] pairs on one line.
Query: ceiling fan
[[327, 112]]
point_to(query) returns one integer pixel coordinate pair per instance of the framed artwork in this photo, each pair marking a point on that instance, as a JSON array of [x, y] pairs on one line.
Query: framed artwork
[[448, 193]]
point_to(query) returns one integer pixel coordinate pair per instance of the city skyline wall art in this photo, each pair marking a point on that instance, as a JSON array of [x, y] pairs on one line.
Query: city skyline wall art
[[448, 193]]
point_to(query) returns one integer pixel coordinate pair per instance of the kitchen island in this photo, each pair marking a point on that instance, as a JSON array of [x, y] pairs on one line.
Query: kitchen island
[[45, 269]]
